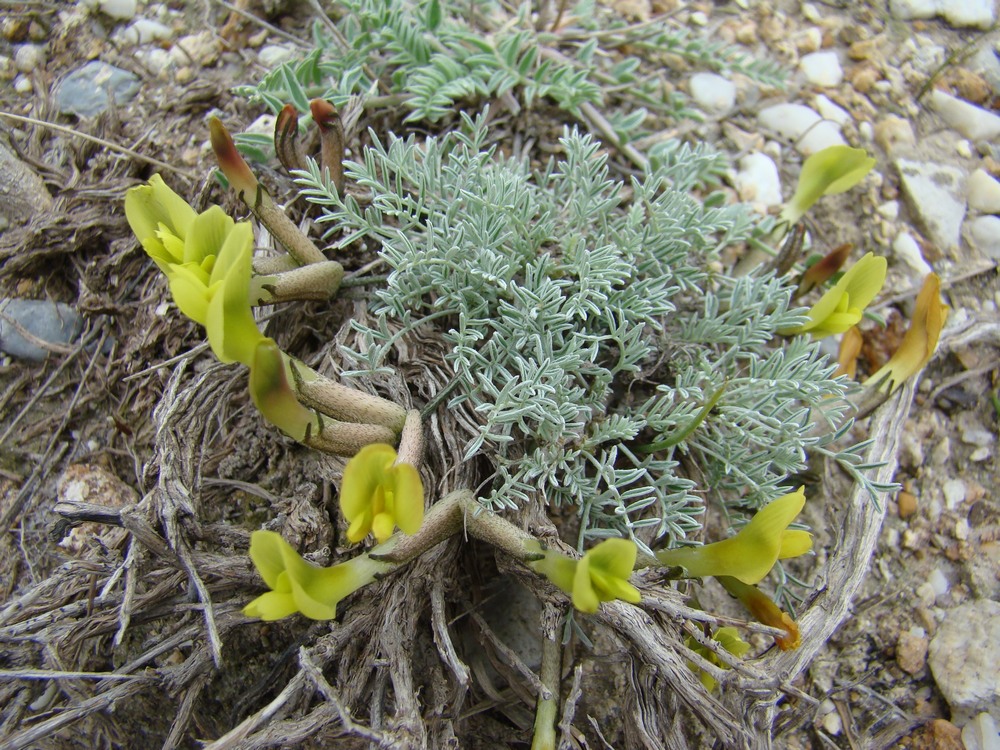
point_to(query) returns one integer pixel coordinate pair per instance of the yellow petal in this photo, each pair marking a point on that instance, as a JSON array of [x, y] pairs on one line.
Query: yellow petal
[[148, 206], [408, 498], [271, 606], [362, 476], [267, 556], [842, 306], [273, 396], [828, 172], [383, 525], [232, 330], [558, 568], [187, 287], [794, 543], [584, 597], [208, 234]]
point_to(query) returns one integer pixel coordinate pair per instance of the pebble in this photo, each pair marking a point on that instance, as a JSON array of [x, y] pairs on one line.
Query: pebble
[[29, 57], [936, 193], [832, 723], [758, 181], [893, 132], [907, 250], [975, 123], [144, 31], [984, 192], [980, 454], [939, 582], [202, 48], [985, 235], [906, 503], [22, 192], [90, 90], [272, 55], [938, 734], [23, 85], [52, 322], [802, 125], [911, 650], [822, 68], [831, 111], [713, 93], [978, 13], [981, 733], [119, 9], [888, 210], [954, 493], [963, 657]]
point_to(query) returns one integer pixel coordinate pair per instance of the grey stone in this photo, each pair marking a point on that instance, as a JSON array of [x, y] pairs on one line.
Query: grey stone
[[975, 123], [936, 193], [963, 657], [985, 235], [90, 90], [22, 192], [51, 322]]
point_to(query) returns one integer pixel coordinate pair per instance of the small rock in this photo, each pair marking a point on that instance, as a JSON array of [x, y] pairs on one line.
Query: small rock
[[758, 181], [832, 723], [936, 193], [713, 93], [907, 250], [22, 191], [973, 122], [90, 90], [980, 454], [144, 31], [906, 503], [52, 322], [938, 734], [939, 582], [892, 132], [810, 41], [954, 493], [29, 57], [802, 125], [119, 9], [822, 68], [984, 192], [981, 734], [888, 210], [864, 77], [963, 657], [23, 85], [978, 13], [202, 48], [964, 149], [911, 651], [272, 55], [985, 235], [830, 111], [90, 483]]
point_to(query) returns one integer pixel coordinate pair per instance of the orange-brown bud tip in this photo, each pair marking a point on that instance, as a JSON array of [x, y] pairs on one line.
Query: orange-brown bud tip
[[324, 113], [232, 164], [287, 120], [825, 267]]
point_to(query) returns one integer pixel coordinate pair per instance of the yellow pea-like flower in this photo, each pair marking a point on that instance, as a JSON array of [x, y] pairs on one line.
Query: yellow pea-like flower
[[378, 494], [749, 555], [601, 575], [842, 307]]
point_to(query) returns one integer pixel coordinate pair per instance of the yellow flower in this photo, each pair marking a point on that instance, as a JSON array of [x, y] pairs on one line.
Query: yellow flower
[[833, 170], [272, 393], [751, 554], [920, 341], [207, 259], [764, 610], [842, 307], [378, 494], [299, 586], [729, 639], [600, 576]]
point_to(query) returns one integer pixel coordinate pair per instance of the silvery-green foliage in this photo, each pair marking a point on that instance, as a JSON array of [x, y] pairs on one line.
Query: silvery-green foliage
[[588, 320], [430, 56]]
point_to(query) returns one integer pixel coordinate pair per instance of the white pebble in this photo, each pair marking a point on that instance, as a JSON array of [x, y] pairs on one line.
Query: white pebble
[[866, 131], [272, 55], [802, 125], [980, 454], [981, 733], [833, 724], [985, 234], [713, 93], [822, 68], [699, 18], [907, 250], [889, 210], [120, 9], [144, 31], [926, 594], [983, 192], [954, 493], [758, 181], [973, 122], [830, 111], [938, 582], [22, 85], [978, 13], [964, 149], [29, 57]]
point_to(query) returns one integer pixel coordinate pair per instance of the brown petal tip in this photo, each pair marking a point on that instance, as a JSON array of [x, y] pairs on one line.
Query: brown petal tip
[[232, 164]]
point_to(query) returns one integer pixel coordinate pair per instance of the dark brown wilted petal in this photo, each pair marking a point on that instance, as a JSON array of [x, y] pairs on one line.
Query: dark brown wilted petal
[[824, 268], [232, 164], [286, 139]]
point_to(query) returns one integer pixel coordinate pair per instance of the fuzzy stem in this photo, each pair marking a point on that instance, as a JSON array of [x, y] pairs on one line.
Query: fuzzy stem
[[446, 518], [343, 403], [317, 281], [411, 441], [544, 737]]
